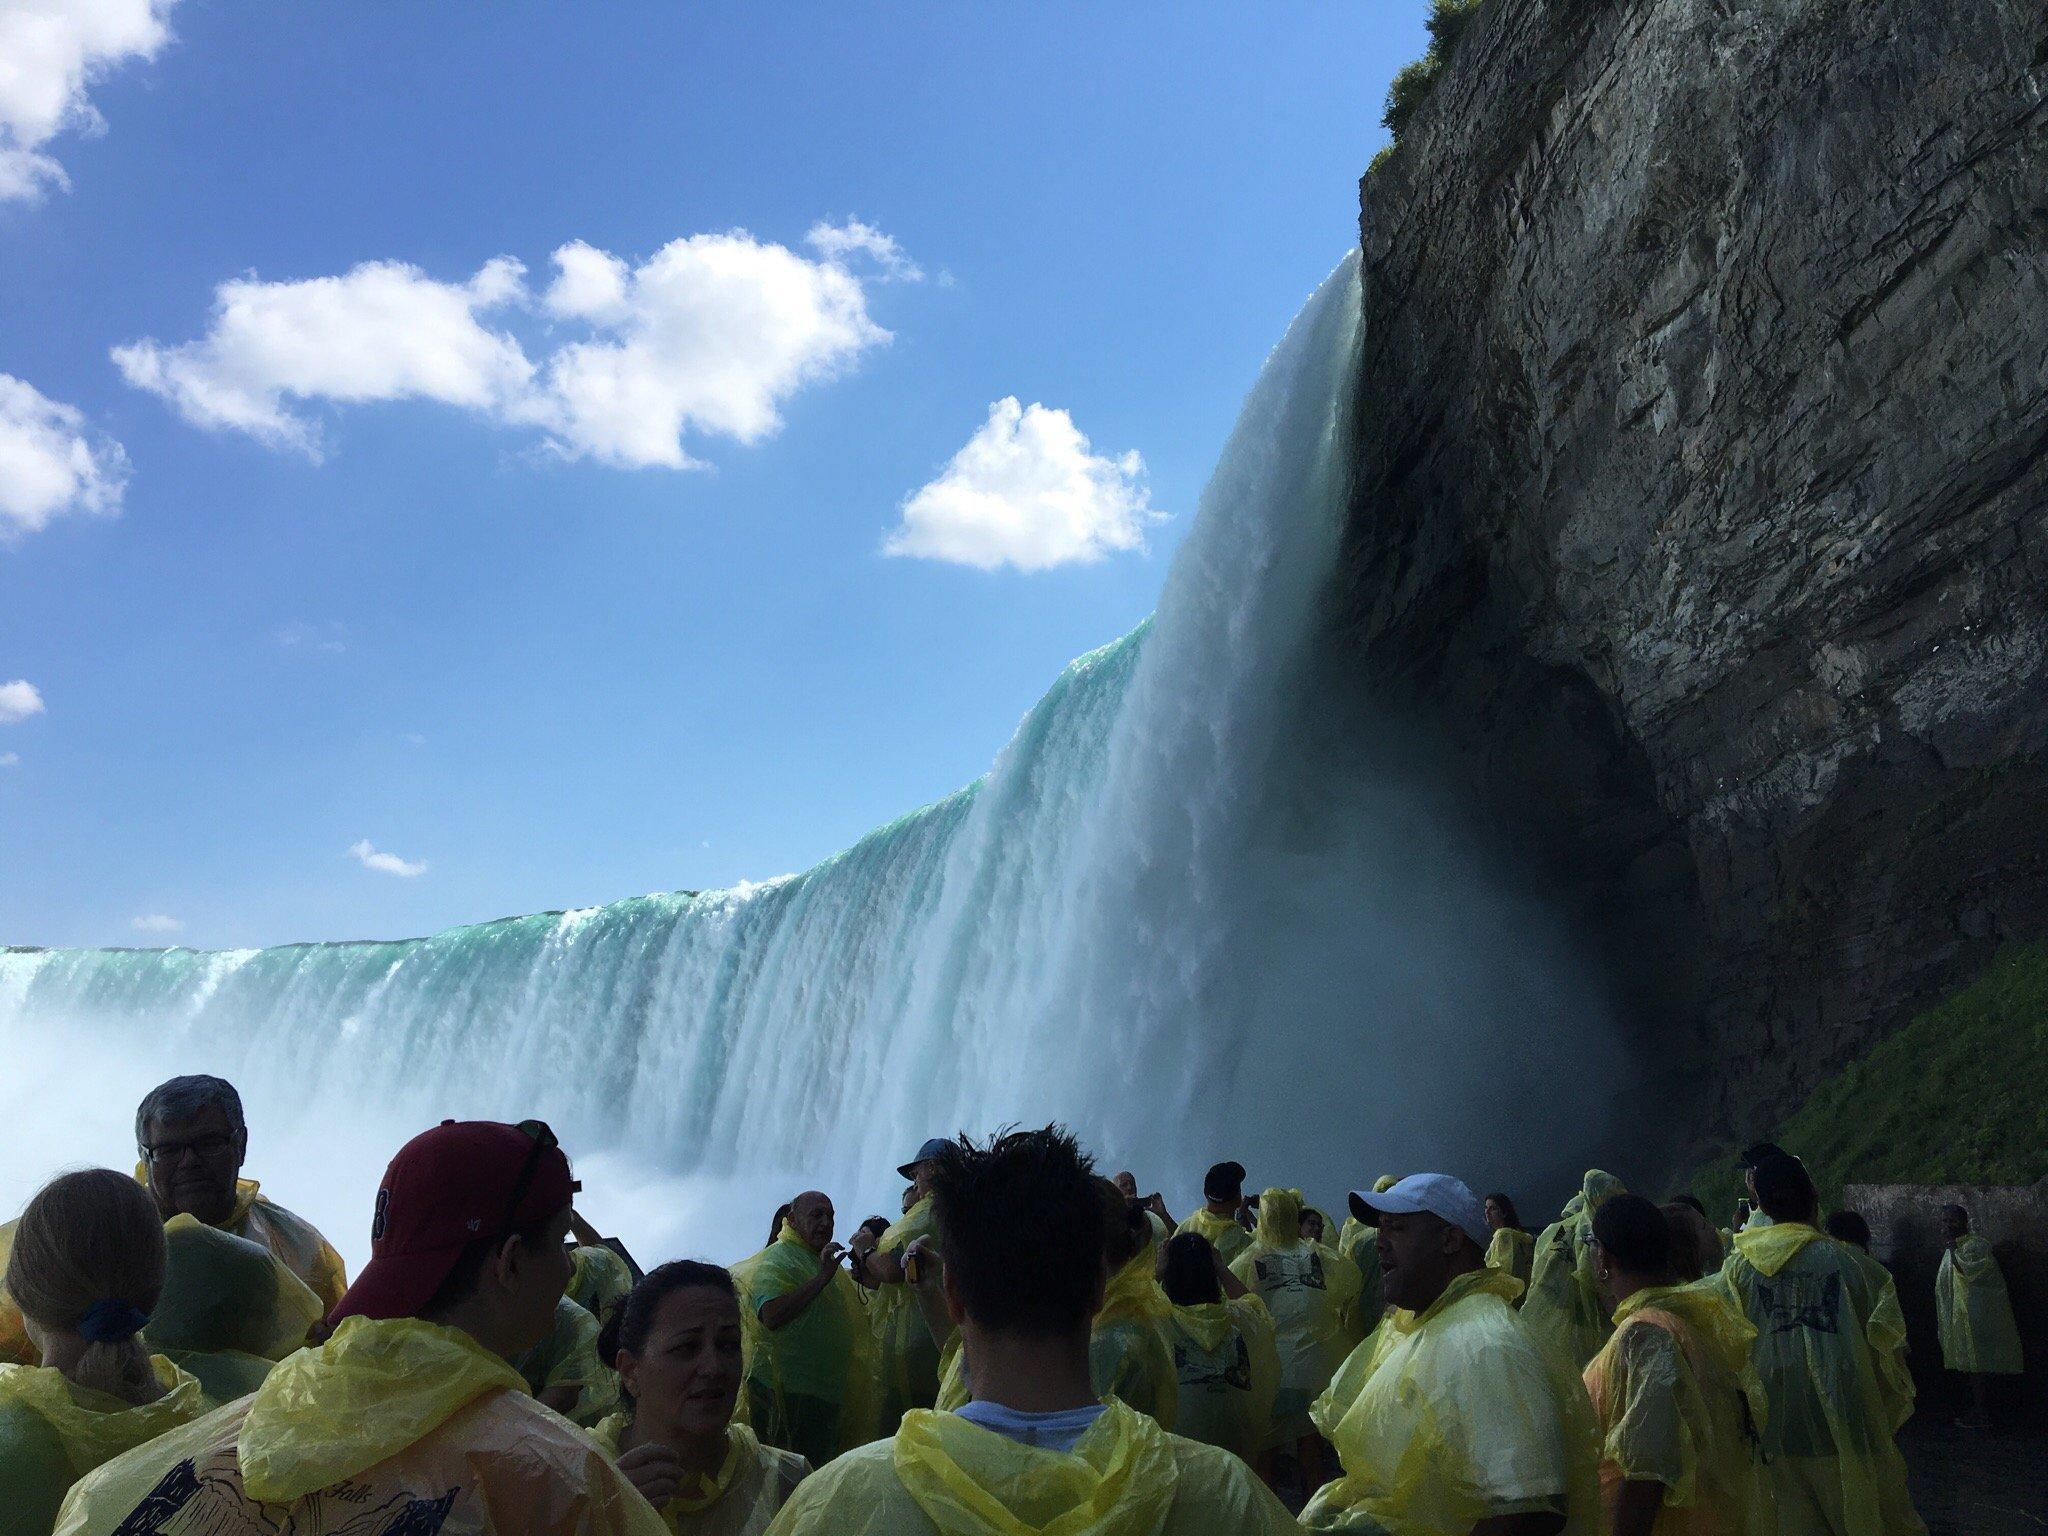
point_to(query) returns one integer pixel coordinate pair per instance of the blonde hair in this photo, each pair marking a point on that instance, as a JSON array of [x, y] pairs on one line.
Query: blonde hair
[[88, 1258]]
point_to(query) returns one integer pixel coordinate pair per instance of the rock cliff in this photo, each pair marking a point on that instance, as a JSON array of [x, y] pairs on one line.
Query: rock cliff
[[1703, 495]]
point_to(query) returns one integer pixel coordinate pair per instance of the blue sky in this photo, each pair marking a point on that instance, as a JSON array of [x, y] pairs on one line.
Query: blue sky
[[399, 562]]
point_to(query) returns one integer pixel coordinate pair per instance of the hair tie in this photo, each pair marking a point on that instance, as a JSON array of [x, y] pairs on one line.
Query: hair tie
[[112, 1321]]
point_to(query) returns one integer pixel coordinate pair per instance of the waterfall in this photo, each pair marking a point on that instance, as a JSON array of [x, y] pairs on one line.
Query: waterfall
[[1177, 914]]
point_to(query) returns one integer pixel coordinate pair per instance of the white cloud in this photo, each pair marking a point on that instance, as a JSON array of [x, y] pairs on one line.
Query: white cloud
[[837, 242], [10, 759], [19, 700], [320, 639], [711, 336], [50, 51], [157, 922], [381, 331], [49, 463], [1027, 491], [386, 863]]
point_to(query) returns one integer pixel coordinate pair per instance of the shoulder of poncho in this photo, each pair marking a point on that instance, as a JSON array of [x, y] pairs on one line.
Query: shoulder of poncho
[[208, 1435], [860, 1470], [1479, 1330], [1205, 1470], [779, 1465], [523, 1427], [270, 1207], [1647, 1332]]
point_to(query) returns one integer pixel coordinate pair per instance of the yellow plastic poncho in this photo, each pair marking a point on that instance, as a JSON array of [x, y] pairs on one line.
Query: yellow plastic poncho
[[1361, 1245], [944, 1476], [1223, 1234], [956, 1391], [52, 1433], [1678, 1403], [568, 1357], [1973, 1313], [1130, 1347], [1511, 1251], [1454, 1416], [418, 1421], [1829, 1350], [742, 1499], [600, 1281], [295, 1242], [1311, 1292], [1563, 1304], [230, 1309], [908, 1353], [811, 1383], [1228, 1372]]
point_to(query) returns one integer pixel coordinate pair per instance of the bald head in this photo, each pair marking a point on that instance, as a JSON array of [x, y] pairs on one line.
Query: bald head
[[1127, 1182], [811, 1215]]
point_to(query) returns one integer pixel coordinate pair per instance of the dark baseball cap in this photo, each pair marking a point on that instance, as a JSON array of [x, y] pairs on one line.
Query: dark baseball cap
[[1223, 1181], [1761, 1152], [449, 1187], [931, 1149]]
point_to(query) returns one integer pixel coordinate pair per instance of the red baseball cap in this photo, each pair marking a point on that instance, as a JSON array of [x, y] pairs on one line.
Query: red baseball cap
[[448, 1187]]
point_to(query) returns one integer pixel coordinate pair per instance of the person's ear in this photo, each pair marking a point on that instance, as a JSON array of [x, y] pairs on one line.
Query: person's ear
[[951, 1292], [628, 1368], [508, 1260]]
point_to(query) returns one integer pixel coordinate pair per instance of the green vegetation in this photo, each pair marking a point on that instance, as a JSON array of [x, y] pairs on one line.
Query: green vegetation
[[1959, 1096], [1448, 20]]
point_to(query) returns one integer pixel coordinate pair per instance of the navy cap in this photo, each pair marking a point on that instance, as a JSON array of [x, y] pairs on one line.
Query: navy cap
[[931, 1149]]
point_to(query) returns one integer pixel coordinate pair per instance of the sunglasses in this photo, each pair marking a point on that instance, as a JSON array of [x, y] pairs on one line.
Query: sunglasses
[[544, 1142]]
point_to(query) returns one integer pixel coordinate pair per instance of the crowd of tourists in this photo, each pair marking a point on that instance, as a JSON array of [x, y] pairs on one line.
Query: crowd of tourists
[[1028, 1348]]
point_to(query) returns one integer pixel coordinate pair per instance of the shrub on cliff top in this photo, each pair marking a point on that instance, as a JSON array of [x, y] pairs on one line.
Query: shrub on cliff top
[[1959, 1096], [1447, 22]]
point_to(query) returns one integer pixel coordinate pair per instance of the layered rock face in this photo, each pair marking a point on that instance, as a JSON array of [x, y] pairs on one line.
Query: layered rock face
[[1703, 495]]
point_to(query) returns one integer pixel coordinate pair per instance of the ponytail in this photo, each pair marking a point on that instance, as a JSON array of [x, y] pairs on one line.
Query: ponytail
[[88, 1259]]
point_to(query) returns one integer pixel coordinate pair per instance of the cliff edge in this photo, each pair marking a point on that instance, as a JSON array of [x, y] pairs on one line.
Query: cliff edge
[[1703, 496]]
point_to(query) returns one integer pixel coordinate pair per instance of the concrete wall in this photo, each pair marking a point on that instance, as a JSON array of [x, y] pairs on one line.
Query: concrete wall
[[1905, 1229]]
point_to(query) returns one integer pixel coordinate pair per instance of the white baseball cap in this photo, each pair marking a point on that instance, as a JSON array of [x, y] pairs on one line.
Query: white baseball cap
[[1439, 1194]]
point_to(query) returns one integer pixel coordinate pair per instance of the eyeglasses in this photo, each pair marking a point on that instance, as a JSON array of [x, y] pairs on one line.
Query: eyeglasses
[[544, 1142], [205, 1148]]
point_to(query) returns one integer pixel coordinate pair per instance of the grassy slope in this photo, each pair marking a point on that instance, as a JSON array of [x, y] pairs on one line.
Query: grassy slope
[[1958, 1096]]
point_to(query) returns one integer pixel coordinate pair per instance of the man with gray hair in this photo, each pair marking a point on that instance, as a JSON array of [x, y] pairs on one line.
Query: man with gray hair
[[192, 1139]]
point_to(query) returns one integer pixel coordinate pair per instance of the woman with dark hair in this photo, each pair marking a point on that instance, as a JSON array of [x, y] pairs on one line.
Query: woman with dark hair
[[86, 1270], [1130, 1348], [1223, 1350], [676, 1345], [1512, 1248]]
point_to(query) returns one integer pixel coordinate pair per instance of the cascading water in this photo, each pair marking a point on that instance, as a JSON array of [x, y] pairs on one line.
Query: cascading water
[[1176, 914]]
